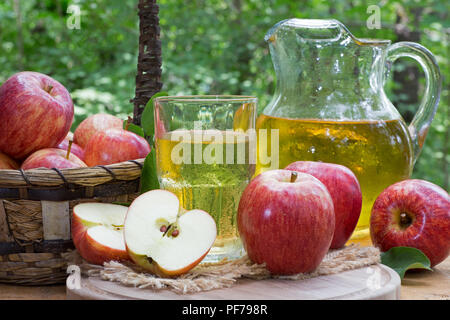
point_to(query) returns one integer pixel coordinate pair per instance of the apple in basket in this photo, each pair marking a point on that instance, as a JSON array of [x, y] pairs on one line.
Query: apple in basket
[[286, 220], [93, 124], [7, 162], [345, 191], [413, 213], [165, 239], [97, 232], [52, 158], [36, 112], [68, 144], [114, 146]]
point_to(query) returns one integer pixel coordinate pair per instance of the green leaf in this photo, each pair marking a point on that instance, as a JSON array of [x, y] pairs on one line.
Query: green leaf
[[133, 128], [147, 117], [402, 259], [125, 204], [149, 179]]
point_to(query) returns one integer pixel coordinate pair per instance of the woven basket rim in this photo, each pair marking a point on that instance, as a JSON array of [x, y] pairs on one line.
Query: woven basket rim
[[88, 176]]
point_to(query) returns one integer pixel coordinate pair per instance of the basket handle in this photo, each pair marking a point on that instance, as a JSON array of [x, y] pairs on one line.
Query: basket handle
[[148, 78]]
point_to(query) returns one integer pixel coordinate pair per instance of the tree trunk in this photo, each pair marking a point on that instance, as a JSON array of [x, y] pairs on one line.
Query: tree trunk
[[148, 79]]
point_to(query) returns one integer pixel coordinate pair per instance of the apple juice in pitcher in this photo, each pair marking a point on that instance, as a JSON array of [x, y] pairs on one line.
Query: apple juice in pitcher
[[329, 105], [378, 152]]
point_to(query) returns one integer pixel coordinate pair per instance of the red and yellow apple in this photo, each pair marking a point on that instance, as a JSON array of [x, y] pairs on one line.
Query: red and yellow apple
[[94, 124], [286, 220], [36, 112], [345, 191], [52, 158], [114, 146], [413, 213], [6, 162], [97, 232], [163, 238]]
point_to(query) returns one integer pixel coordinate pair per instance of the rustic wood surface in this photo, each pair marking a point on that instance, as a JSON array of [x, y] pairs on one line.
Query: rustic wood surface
[[420, 285]]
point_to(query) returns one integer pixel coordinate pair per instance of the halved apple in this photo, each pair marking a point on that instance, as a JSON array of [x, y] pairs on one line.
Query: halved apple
[[97, 232], [163, 238]]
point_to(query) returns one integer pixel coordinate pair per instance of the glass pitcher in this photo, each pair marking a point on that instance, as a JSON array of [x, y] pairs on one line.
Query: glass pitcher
[[330, 106]]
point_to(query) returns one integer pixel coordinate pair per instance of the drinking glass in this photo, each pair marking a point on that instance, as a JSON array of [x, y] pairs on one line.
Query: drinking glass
[[206, 155]]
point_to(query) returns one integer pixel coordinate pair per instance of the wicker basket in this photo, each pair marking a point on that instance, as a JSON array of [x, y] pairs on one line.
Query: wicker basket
[[36, 205]]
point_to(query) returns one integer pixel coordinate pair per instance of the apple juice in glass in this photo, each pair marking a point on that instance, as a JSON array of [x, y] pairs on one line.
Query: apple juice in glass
[[206, 154]]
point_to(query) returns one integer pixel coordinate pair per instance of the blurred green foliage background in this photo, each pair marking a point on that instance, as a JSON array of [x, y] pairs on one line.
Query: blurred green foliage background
[[213, 47]]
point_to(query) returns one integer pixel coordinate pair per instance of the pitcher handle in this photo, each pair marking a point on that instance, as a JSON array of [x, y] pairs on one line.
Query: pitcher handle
[[418, 128]]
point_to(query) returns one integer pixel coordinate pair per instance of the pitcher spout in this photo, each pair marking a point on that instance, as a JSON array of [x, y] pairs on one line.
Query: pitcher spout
[[308, 29]]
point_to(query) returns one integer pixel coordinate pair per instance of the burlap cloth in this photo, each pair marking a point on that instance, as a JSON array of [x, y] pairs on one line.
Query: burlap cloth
[[205, 277]]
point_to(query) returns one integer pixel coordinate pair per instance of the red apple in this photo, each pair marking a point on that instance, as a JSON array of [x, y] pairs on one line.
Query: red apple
[[36, 112], [345, 191], [114, 146], [165, 239], [413, 213], [286, 220], [7, 162], [93, 124], [97, 232], [52, 158], [74, 148]]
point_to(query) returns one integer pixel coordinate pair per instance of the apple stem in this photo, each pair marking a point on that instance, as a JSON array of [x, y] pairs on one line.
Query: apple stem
[[49, 88], [294, 176], [68, 149], [129, 120]]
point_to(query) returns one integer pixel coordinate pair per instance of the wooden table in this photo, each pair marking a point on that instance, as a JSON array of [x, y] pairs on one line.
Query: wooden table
[[420, 285]]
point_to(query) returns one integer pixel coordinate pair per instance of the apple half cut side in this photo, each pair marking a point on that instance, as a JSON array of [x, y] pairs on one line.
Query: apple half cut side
[[163, 238], [97, 232]]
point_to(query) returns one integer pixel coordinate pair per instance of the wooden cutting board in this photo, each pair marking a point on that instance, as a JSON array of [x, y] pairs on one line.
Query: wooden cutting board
[[373, 282]]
